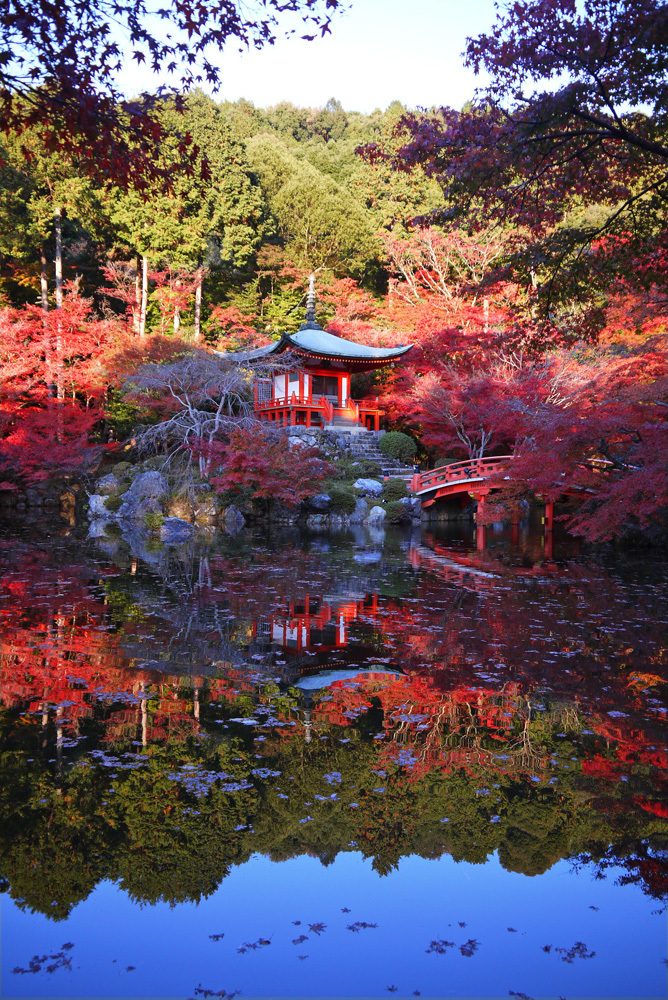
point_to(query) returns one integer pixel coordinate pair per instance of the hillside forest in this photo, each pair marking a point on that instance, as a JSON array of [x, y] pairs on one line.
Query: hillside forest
[[519, 243]]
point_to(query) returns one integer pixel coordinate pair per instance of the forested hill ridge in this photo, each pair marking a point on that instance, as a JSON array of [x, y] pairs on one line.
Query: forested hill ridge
[[539, 330], [265, 180]]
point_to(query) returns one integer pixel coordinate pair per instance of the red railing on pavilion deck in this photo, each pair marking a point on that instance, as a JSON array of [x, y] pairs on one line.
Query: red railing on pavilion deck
[[315, 411]]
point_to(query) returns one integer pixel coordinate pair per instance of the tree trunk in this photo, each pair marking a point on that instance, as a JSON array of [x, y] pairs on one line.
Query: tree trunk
[[198, 306], [136, 312], [43, 278], [58, 231], [60, 386], [177, 319], [144, 296]]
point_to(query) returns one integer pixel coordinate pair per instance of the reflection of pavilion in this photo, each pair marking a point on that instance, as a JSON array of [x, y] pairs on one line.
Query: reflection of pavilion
[[314, 621]]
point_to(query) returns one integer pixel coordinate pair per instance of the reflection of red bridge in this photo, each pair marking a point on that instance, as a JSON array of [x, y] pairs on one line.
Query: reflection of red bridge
[[470, 478]]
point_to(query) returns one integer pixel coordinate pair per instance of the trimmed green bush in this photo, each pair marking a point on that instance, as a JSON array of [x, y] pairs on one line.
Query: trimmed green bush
[[394, 489], [342, 497], [394, 444], [396, 512], [350, 469], [121, 470], [113, 503]]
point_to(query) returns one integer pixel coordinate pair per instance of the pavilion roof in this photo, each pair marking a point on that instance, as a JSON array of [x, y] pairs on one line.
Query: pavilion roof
[[312, 341]]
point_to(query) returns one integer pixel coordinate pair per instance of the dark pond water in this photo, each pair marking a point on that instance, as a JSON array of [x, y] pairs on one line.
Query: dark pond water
[[355, 765]]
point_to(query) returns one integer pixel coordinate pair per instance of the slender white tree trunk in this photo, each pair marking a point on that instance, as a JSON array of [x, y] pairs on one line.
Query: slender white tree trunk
[[198, 306], [43, 278], [136, 312], [58, 231], [60, 384], [144, 296], [177, 319]]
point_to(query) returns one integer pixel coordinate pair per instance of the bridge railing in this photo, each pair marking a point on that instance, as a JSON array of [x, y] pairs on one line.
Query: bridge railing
[[474, 468]]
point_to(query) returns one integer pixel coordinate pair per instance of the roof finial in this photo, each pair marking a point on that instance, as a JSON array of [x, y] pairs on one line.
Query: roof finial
[[310, 300]]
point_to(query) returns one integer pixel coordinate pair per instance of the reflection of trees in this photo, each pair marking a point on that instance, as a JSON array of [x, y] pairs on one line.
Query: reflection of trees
[[159, 655]]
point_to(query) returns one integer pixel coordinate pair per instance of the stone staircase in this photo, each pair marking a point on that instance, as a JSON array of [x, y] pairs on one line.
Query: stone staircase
[[364, 445]]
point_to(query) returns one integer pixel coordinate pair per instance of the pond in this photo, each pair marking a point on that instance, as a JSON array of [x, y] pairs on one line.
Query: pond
[[371, 763]]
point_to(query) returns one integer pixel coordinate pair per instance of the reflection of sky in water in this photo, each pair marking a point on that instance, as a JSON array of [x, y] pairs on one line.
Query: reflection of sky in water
[[489, 682], [421, 902]]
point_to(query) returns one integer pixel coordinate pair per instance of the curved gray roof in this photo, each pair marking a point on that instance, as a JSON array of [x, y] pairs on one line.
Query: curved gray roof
[[312, 339], [318, 341]]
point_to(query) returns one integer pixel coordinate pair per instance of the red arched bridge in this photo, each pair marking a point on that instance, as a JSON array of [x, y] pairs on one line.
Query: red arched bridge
[[459, 477], [471, 478]]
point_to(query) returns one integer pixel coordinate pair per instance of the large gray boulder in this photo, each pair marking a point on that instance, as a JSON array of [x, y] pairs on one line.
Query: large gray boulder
[[173, 531], [97, 529], [376, 515], [233, 519], [320, 504], [108, 484], [146, 484], [368, 487], [360, 512], [413, 505], [97, 508]]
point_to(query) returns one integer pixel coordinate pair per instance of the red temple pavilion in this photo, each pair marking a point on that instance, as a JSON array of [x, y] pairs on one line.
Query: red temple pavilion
[[316, 393]]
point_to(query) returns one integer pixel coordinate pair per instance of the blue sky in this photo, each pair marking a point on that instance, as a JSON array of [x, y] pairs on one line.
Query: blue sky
[[379, 51]]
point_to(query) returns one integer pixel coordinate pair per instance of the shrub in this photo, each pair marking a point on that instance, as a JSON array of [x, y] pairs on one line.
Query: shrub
[[362, 468], [113, 502], [396, 512], [397, 445], [394, 489], [153, 521], [121, 470], [342, 497]]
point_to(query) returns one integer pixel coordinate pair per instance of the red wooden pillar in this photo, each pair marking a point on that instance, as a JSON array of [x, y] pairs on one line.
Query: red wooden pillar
[[308, 417], [549, 516], [549, 546], [301, 386], [480, 528]]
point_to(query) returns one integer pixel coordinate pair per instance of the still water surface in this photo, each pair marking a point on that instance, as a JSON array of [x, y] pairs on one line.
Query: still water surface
[[365, 764]]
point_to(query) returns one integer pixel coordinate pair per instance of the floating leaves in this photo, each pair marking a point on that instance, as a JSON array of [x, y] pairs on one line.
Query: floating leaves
[[439, 947], [578, 950]]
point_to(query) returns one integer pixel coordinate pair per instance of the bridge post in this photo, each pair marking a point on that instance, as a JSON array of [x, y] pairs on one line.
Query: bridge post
[[549, 516], [480, 528]]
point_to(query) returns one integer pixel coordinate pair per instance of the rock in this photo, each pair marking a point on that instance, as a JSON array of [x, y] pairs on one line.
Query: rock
[[206, 510], [296, 442], [317, 522], [368, 487], [414, 505], [338, 521], [97, 507], [97, 529], [146, 484], [149, 505], [376, 515], [233, 519], [173, 530], [180, 507], [360, 512], [108, 484], [320, 504]]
